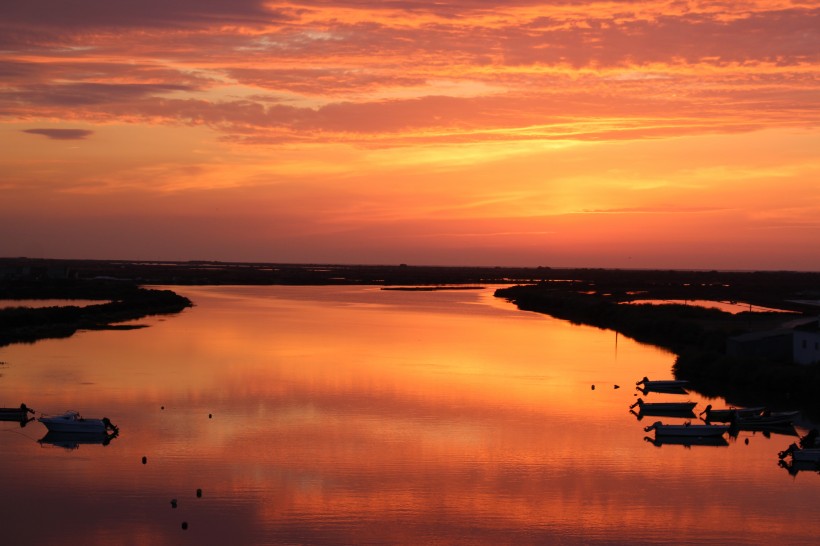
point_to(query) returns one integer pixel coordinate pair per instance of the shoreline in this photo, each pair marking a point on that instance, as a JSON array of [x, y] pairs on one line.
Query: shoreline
[[124, 302], [697, 336]]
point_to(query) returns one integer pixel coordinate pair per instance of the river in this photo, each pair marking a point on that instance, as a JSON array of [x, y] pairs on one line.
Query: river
[[354, 415]]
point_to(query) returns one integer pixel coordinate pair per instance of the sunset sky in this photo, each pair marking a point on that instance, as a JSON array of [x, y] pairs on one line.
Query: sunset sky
[[572, 133]]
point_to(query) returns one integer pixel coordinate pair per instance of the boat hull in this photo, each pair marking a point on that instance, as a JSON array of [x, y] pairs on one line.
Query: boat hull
[[72, 422], [697, 431]]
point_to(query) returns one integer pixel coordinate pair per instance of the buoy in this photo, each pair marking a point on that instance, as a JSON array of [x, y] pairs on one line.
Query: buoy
[[593, 387], [173, 503], [617, 386], [747, 441], [210, 415], [184, 525], [162, 407], [199, 493], [144, 460]]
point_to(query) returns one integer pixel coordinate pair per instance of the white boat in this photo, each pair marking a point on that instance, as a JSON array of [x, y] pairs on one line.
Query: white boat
[[687, 429], [72, 421], [672, 407]]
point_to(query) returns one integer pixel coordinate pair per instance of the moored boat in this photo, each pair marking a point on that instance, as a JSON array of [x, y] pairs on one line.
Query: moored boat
[[15, 414], [72, 421], [687, 429], [727, 415], [673, 386]]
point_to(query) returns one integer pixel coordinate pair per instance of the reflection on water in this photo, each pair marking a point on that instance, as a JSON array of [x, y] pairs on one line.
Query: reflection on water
[[351, 415]]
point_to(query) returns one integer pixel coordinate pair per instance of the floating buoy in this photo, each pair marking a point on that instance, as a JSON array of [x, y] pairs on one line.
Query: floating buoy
[[747, 441], [617, 386], [162, 407], [593, 387], [173, 503], [144, 460], [199, 493], [210, 415], [184, 525]]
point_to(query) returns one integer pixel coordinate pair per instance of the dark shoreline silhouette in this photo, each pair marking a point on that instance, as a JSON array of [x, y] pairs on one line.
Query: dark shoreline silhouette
[[120, 302]]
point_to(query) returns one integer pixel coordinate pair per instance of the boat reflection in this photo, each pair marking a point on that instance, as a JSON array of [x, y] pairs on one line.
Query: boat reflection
[[794, 467], [21, 414], [72, 440], [23, 420], [765, 430], [687, 441]]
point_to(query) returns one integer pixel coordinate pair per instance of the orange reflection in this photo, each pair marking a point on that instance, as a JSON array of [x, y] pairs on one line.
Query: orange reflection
[[350, 414]]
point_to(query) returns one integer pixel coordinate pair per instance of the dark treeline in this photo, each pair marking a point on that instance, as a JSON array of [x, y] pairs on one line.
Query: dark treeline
[[695, 334], [119, 302]]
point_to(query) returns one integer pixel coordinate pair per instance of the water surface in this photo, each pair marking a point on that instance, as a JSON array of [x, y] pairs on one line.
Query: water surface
[[353, 415]]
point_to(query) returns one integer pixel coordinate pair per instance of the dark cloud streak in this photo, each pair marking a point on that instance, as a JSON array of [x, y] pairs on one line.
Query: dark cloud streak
[[61, 134]]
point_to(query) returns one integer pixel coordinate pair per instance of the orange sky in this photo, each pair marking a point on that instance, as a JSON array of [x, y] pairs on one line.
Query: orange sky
[[670, 134]]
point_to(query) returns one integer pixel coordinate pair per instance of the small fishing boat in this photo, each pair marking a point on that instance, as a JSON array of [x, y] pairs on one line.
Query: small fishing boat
[[729, 414], [670, 407], [72, 421], [15, 414], [675, 386], [687, 429], [767, 419]]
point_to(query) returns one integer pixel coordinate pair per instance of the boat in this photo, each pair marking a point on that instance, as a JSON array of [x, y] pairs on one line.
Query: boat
[[15, 414], [727, 415], [687, 429], [664, 407], [767, 422], [72, 421], [675, 386]]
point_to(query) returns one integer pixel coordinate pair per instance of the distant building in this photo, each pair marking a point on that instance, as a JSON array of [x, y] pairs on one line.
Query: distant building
[[806, 344], [799, 344]]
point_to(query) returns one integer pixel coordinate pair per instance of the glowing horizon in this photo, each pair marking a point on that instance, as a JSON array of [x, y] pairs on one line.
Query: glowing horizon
[[646, 134]]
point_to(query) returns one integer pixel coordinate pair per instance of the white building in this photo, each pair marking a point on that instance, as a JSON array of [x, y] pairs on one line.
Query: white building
[[806, 343]]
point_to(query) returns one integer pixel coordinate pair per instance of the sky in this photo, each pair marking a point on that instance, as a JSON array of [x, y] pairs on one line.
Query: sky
[[572, 133]]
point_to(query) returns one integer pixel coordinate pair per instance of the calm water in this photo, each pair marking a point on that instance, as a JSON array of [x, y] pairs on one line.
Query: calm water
[[352, 415]]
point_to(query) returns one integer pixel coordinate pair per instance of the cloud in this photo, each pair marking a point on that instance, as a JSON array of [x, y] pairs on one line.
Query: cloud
[[61, 134]]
